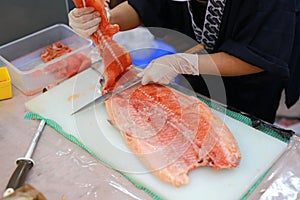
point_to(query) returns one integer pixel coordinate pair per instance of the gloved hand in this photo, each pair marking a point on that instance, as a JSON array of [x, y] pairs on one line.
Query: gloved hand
[[164, 69], [84, 21]]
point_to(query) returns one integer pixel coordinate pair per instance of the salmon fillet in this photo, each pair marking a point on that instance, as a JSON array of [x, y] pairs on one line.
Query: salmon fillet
[[172, 133]]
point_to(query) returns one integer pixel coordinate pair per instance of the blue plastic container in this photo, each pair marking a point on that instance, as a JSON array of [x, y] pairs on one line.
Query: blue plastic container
[[142, 57]]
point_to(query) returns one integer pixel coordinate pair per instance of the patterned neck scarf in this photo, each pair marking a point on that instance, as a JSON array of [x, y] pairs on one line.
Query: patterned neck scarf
[[208, 35]]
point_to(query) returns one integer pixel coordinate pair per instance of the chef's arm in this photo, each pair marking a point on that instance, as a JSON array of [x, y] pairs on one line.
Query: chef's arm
[[125, 16], [164, 69], [215, 64], [225, 65]]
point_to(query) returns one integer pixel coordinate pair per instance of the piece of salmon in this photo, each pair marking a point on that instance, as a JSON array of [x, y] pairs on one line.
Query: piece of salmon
[[172, 133]]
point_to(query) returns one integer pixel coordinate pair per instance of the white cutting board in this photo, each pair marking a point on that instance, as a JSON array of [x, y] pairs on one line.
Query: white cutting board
[[258, 150]]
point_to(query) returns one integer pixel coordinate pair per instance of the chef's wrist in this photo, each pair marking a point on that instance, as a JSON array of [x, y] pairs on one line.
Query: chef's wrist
[[186, 63]]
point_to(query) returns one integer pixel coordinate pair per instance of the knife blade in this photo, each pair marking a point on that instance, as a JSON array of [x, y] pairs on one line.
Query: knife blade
[[103, 98]]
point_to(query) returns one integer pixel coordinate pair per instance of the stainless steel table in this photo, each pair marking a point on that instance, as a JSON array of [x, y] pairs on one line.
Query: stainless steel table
[[62, 170]]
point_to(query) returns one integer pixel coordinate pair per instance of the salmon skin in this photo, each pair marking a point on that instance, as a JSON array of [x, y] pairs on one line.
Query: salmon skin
[[172, 133], [115, 58]]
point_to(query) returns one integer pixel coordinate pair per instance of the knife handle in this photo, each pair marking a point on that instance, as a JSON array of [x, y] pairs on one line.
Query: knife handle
[[18, 177]]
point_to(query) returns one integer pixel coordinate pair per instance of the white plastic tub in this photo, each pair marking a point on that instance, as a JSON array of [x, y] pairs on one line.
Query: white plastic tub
[[28, 71]]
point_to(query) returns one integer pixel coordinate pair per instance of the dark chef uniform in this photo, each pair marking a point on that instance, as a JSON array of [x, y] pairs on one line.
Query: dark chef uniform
[[264, 33]]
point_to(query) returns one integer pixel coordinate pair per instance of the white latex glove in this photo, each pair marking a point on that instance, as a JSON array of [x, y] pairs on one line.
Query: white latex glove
[[164, 69], [84, 21]]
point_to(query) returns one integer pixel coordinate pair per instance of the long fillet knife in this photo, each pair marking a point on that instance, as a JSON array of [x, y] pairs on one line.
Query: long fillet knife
[[24, 164], [199, 48], [121, 88]]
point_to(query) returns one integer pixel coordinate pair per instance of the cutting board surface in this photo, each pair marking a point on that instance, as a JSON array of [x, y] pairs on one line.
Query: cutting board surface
[[258, 150]]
